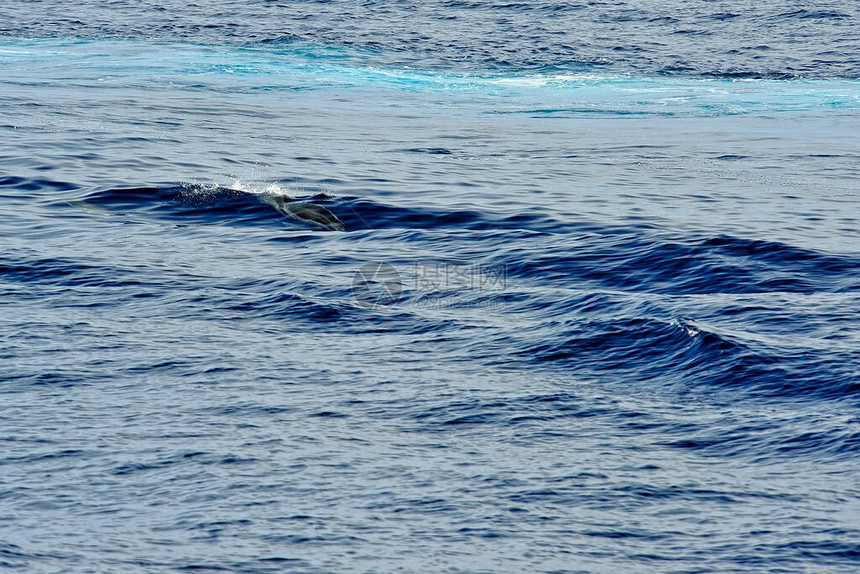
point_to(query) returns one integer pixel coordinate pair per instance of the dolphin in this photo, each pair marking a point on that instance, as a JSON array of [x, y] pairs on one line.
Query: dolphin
[[304, 211]]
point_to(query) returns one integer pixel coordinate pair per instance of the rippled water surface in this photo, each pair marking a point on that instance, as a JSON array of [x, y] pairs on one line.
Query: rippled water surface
[[593, 307]]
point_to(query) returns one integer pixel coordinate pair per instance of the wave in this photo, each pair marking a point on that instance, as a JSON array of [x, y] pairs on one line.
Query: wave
[[194, 204], [691, 358], [630, 260], [187, 204], [617, 257], [242, 205]]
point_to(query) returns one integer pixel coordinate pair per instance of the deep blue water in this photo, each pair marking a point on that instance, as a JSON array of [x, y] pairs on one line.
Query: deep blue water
[[596, 307]]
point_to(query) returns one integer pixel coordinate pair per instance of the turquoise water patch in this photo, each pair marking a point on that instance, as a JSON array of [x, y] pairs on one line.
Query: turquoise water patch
[[307, 67]]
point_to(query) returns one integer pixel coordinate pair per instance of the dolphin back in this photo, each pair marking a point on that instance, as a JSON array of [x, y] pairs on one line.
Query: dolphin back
[[307, 212]]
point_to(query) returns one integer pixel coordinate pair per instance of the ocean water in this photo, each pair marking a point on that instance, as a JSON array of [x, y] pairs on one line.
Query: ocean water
[[595, 306]]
